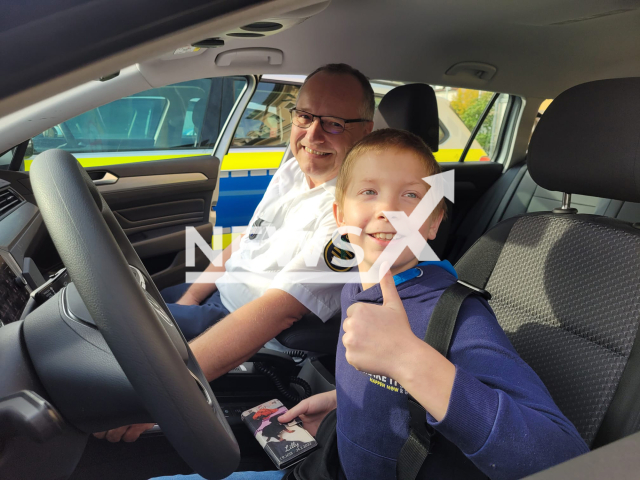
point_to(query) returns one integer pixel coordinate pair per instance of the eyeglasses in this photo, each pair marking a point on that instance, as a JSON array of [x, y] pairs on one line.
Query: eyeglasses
[[332, 125]]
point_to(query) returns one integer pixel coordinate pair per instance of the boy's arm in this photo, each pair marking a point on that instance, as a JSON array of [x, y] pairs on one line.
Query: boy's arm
[[500, 414], [312, 410], [498, 411], [379, 341]]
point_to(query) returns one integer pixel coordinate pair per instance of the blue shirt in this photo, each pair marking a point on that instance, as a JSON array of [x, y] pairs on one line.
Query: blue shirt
[[501, 421]]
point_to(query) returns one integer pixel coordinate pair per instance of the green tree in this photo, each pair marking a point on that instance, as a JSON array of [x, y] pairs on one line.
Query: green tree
[[469, 105]]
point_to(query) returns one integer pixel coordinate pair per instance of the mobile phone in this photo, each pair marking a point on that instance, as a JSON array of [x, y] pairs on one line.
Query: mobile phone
[[285, 443]]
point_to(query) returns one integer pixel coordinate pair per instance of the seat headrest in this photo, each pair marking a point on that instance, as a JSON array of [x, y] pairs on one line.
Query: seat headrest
[[413, 108], [199, 109], [588, 141]]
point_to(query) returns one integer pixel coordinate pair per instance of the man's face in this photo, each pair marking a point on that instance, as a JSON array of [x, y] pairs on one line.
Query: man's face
[[378, 185], [319, 153]]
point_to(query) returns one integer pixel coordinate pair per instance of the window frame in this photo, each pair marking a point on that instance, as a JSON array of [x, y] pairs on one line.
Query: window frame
[[286, 142], [181, 150], [511, 109]]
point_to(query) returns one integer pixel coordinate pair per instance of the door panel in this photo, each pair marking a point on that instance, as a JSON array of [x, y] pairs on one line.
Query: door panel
[[155, 201]]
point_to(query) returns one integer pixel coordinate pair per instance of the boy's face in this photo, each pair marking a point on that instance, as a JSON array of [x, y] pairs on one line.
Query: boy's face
[[385, 181]]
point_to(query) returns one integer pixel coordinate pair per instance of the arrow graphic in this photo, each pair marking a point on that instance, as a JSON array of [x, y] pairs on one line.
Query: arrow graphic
[[408, 227]]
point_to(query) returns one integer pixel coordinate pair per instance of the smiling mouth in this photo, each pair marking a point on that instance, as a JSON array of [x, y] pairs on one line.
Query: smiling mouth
[[314, 152], [385, 236]]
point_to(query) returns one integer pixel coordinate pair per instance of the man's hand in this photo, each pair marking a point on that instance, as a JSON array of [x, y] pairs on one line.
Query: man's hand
[[376, 336], [128, 433], [188, 299], [312, 411], [239, 335]]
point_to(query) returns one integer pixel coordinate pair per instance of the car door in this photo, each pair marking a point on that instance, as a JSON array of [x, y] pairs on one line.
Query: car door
[[151, 156], [258, 143]]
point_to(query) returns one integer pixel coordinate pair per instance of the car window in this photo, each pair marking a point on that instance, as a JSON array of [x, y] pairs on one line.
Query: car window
[[543, 107], [5, 159], [266, 121], [172, 120], [459, 110]]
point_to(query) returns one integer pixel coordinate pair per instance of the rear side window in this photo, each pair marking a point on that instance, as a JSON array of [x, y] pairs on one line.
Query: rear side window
[[459, 110], [266, 122], [186, 115], [469, 105]]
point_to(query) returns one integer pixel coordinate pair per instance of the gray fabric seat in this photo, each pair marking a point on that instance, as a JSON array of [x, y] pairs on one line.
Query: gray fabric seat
[[523, 195], [530, 197], [566, 287], [526, 196]]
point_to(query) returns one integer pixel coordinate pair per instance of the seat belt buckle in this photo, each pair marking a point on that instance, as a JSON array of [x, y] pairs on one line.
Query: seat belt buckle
[[486, 295]]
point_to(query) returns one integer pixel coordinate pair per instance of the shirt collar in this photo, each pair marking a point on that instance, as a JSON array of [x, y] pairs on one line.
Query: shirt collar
[[329, 186]]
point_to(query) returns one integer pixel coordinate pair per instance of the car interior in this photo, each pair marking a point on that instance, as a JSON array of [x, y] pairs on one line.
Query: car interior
[[549, 226]]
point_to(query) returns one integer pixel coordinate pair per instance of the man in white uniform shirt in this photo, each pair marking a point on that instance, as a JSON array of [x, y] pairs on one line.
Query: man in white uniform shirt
[[334, 110]]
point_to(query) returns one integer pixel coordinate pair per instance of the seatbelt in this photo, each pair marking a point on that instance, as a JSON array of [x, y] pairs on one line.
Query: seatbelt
[[439, 331], [324, 463]]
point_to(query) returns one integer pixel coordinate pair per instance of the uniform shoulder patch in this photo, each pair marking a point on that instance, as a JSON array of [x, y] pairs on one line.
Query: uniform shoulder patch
[[257, 223], [332, 251]]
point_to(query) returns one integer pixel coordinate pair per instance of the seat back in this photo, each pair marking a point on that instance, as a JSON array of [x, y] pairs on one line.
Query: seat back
[[566, 287], [566, 290]]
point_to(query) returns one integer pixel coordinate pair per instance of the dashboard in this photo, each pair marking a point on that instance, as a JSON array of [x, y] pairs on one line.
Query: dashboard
[[13, 292], [30, 268]]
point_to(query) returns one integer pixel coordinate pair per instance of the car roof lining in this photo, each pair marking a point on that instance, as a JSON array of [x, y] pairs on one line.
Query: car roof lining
[[106, 65], [540, 48]]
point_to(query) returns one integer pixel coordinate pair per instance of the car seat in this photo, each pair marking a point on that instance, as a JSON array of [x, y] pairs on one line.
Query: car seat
[[565, 286]]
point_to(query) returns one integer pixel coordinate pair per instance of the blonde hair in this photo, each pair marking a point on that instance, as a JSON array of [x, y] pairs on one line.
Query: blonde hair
[[385, 139]]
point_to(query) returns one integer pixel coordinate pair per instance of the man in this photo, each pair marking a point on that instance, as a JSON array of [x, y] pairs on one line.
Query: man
[[334, 110]]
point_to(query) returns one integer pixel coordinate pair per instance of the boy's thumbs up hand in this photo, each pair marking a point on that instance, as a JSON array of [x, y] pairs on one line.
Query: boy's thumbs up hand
[[390, 296], [376, 335]]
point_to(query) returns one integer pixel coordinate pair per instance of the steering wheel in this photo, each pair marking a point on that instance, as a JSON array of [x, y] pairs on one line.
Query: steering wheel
[[149, 347]]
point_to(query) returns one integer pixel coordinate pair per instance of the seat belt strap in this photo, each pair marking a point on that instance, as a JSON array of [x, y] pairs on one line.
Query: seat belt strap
[[439, 332]]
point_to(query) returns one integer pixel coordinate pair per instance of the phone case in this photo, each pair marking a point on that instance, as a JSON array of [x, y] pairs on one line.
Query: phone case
[[285, 443]]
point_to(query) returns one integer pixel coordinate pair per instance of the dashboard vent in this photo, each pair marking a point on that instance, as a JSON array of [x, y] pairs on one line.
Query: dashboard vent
[[9, 201]]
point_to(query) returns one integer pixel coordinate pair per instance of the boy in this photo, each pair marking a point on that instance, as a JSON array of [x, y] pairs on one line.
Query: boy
[[492, 414]]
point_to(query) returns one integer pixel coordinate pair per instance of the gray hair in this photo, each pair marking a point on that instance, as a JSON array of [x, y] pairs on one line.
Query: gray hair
[[368, 104]]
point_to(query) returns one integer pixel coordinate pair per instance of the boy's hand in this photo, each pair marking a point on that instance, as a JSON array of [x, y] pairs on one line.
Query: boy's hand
[[312, 411], [377, 336]]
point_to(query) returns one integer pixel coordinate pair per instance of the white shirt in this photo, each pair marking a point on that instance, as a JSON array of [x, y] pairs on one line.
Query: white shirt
[[286, 239]]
